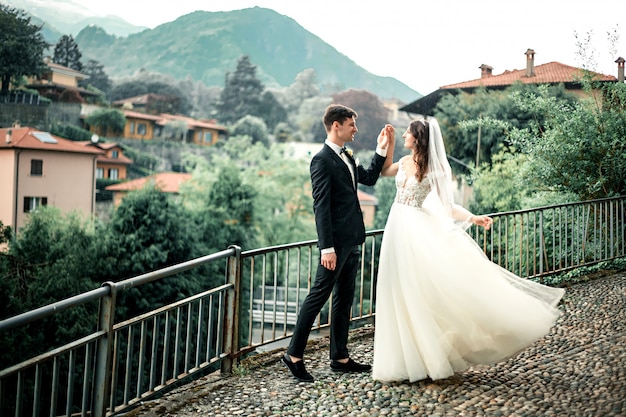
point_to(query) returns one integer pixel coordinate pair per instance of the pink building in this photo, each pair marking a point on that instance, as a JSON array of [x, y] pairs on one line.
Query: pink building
[[38, 169]]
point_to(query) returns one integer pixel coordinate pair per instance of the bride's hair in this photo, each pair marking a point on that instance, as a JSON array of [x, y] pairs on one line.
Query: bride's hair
[[419, 130]]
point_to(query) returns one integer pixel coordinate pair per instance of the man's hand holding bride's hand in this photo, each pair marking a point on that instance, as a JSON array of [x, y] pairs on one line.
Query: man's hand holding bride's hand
[[386, 137]]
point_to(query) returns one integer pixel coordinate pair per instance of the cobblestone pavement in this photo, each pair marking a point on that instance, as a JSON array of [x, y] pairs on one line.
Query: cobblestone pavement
[[577, 370]]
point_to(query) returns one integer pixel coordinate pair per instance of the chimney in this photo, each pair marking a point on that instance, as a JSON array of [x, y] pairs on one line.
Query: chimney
[[485, 71], [530, 62], [9, 133], [620, 69], [17, 124]]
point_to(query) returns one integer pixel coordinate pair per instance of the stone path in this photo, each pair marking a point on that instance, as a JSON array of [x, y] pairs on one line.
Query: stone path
[[578, 370]]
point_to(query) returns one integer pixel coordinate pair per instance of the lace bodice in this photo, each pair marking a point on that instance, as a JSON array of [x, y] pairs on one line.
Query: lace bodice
[[409, 191]]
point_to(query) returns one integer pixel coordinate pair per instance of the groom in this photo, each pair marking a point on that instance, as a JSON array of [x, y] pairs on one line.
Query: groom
[[340, 232]]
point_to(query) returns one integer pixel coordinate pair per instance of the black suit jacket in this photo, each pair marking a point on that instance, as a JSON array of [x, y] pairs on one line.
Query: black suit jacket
[[338, 215]]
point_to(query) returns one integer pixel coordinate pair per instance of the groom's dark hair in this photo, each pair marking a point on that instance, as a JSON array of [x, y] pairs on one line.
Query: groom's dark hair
[[337, 113]]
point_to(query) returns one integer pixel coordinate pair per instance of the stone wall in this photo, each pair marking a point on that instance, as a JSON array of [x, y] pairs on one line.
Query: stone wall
[[39, 116]]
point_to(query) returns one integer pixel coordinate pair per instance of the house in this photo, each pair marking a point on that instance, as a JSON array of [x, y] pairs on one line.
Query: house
[[200, 132], [146, 103], [57, 80], [167, 126], [112, 164], [38, 169], [168, 182], [551, 73]]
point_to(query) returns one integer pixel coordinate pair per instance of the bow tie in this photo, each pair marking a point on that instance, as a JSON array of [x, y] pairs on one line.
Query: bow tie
[[343, 150]]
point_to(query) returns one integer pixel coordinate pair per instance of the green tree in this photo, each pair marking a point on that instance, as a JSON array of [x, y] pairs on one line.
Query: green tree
[[253, 127], [170, 98], [372, 117], [276, 187], [242, 93], [501, 185], [580, 149], [66, 53], [148, 231], [107, 121], [21, 47], [305, 86], [97, 77], [53, 257], [271, 111], [475, 143]]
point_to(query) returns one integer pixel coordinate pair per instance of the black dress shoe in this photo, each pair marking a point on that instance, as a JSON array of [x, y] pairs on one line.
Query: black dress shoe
[[297, 369], [350, 366]]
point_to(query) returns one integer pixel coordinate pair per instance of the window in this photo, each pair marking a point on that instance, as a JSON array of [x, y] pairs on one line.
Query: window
[[36, 167], [115, 154], [132, 128], [113, 173], [208, 137], [141, 129], [99, 173], [31, 203]]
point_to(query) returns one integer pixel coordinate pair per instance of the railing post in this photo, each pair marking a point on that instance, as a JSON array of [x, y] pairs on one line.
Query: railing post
[[102, 371], [231, 322]]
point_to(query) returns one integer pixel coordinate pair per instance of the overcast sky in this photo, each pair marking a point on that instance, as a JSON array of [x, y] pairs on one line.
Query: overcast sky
[[428, 44]]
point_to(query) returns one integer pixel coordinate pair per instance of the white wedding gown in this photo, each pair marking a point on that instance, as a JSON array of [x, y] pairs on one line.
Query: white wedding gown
[[441, 304]]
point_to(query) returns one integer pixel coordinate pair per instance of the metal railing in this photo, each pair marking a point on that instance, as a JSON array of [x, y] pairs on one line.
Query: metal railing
[[120, 364]]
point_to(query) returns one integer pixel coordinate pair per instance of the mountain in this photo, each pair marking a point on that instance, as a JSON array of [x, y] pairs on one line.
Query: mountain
[[204, 46], [68, 18]]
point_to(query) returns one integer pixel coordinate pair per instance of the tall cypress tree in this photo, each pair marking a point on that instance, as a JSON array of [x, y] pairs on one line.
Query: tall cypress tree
[[66, 53], [242, 93]]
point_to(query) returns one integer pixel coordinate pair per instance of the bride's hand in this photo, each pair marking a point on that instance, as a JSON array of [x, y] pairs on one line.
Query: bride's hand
[[484, 221]]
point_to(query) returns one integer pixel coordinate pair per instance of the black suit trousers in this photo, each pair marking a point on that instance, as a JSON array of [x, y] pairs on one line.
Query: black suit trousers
[[341, 283]]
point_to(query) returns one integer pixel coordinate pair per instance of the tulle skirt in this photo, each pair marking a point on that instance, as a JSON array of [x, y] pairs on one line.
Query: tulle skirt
[[442, 305]]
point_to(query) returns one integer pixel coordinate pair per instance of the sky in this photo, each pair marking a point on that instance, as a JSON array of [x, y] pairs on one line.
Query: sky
[[427, 45]]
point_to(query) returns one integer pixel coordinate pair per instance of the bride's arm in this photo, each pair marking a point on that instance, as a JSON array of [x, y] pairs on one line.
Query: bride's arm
[[390, 170], [389, 167], [461, 214]]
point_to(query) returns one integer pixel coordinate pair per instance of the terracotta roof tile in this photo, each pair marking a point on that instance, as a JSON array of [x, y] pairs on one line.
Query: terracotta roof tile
[[191, 122], [122, 160], [366, 199], [139, 115], [552, 73], [26, 138], [168, 182]]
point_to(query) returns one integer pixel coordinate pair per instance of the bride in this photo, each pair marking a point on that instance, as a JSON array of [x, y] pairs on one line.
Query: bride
[[441, 304]]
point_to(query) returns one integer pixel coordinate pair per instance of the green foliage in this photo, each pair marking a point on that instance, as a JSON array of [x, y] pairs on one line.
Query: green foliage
[[71, 132], [581, 148], [170, 98], [97, 77], [475, 125], [52, 258], [373, 116], [21, 47], [253, 127], [500, 187], [242, 93], [148, 231], [271, 110], [305, 86], [66, 53], [385, 193], [144, 160], [108, 120], [281, 201]]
